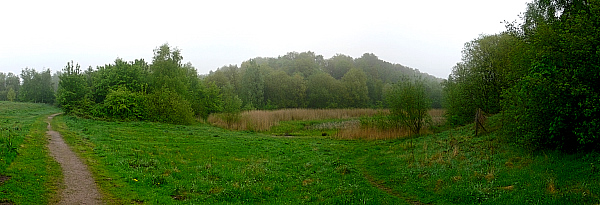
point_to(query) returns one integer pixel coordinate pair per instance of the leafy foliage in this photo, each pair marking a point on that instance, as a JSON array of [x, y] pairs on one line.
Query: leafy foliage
[[479, 80], [556, 103], [36, 87], [124, 105], [307, 80], [168, 106], [542, 74], [73, 92], [409, 104]]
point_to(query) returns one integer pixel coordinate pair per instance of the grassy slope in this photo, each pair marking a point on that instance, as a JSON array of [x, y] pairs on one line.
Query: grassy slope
[[34, 175], [169, 164]]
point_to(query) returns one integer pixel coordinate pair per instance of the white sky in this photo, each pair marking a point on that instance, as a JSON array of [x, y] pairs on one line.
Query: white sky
[[426, 35]]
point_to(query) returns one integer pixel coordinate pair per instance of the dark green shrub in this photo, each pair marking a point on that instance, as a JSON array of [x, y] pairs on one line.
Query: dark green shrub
[[167, 106], [124, 105]]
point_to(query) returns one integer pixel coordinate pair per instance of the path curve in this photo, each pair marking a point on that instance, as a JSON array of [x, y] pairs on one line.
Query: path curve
[[382, 187], [80, 187]]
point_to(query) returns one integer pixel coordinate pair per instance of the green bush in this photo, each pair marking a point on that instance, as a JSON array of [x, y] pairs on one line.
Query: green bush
[[167, 106], [124, 105]]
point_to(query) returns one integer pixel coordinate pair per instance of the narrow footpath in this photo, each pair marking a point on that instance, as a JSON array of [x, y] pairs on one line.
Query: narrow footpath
[[79, 186]]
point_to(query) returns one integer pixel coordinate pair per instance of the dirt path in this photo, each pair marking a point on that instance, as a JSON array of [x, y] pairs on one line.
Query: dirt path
[[384, 188], [80, 187]]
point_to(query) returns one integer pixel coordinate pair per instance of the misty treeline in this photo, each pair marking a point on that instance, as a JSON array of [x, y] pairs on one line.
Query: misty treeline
[[167, 90], [30, 86], [307, 80], [542, 76]]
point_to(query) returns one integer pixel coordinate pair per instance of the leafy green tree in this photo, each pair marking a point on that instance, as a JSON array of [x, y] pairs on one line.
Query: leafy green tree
[[409, 104], [323, 91], [73, 92], [7, 82], [3, 89], [555, 104], [356, 93], [284, 91], [488, 67], [36, 87], [167, 70], [168, 106], [13, 81], [11, 95], [123, 104], [338, 65], [253, 85], [210, 100], [305, 63], [232, 105], [130, 75]]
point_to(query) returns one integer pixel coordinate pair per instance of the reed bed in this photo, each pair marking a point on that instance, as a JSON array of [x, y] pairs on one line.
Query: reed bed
[[371, 133], [263, 120], [438, 116]]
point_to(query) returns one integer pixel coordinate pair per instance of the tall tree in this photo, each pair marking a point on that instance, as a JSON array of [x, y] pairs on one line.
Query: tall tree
[[356, 93], [36, 87], [167, 70], [253, 85], [11, 95], [324, 91], [338, 65], [284, 91], [73, 92], [487, 69], [555, 104]]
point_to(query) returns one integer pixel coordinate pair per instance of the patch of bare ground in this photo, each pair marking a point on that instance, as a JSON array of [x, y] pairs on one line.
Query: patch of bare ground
[[79, 184], [4, 202], [3, 179]]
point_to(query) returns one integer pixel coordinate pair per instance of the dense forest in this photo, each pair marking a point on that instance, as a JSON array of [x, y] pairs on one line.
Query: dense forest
[[307, 80], [168, 90], [541, 75]]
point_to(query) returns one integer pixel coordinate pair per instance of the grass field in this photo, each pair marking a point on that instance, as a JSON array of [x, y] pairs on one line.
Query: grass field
[[154, 163], [139, 162], [27, 174]]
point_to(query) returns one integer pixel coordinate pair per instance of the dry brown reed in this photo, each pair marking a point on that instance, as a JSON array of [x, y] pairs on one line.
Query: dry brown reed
[[262, 120], [370, 133], [437, 116]]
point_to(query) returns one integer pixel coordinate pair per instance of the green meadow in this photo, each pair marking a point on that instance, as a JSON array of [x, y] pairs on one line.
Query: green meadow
[[155, 163], [28, 175]]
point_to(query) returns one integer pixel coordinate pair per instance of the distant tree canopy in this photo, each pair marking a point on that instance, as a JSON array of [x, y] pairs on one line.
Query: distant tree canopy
[[167, 90], [306, 80], [542, 74]]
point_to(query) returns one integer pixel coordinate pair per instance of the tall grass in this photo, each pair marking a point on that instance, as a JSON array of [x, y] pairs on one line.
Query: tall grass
[[378, 128], [371, 133], [438, 116], [262, 120]]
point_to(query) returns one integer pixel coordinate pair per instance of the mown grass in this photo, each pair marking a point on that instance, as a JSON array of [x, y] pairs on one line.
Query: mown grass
[[153, 163], [29, 175]]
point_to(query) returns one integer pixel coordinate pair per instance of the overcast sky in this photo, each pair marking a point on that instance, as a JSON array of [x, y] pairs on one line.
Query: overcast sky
[[426, 35]]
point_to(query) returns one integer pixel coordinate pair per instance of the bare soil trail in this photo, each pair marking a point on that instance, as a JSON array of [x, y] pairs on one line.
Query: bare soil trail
[[79, 185]]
